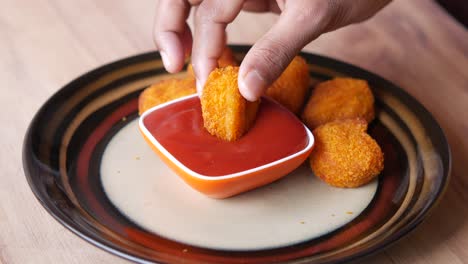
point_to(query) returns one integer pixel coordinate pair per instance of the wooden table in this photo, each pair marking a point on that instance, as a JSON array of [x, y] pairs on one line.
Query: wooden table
[[45, 44]]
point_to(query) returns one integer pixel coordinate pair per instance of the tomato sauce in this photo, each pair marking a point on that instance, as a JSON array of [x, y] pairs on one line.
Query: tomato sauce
[[276, 134]]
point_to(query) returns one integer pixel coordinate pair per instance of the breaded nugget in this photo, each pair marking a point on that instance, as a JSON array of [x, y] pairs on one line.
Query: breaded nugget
[[164, 91], [340, 98], [226, 114], [226, 59], [291, 88], [345, 155]]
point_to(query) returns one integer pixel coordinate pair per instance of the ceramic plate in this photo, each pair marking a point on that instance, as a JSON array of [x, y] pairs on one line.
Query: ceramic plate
[[92, 171]]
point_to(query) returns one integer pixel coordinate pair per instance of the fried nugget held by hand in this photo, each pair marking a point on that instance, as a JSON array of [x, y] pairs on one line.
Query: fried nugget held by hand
[[227, 59], [345, 155], [226, 114], [165, 91], [291, 88], [337, 99]]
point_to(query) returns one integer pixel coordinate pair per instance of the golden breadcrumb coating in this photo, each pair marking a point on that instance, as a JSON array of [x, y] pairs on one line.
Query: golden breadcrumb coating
[[227, 59], [291, 88], [226, 114], [164, 91], [345, 155], [340, 98]]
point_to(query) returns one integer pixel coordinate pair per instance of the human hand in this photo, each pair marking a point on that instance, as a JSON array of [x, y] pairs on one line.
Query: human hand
[[300, 22]]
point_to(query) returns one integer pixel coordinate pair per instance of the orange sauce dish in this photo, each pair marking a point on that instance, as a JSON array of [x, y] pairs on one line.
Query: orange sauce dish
[[277, 143]]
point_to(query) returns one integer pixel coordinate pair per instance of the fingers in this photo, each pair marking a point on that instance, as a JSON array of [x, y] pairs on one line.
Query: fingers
[[211, 19], [298, 24], [172, 35], [301, 21]]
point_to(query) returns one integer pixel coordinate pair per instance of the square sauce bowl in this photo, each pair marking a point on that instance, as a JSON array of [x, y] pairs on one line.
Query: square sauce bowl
[[275, 145]]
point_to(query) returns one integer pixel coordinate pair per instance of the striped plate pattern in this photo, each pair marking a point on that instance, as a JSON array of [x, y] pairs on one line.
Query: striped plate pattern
[[65, 142]]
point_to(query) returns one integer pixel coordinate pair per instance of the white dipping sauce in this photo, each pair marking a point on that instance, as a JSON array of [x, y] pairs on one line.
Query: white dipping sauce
[[295, 209]]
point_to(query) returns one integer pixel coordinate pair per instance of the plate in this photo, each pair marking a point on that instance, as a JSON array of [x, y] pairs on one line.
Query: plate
[[91, 170]]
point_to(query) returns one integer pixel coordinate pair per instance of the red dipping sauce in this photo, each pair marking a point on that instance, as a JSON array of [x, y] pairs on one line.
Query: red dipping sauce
[[178, 127]]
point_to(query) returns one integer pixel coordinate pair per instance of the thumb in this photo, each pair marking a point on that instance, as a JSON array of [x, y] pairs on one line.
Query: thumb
[[270, 55]]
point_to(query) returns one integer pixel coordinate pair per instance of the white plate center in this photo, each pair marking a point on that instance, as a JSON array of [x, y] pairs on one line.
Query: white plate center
[[295, 209]]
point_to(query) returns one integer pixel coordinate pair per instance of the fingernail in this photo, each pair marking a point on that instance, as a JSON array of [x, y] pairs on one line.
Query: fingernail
[[165, 59], [251, 85]]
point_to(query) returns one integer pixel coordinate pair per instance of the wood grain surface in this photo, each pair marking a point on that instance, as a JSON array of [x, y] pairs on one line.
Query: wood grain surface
[[45, 44]]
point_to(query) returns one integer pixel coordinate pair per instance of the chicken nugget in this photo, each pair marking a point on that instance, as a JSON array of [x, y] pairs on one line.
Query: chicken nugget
[[340, 98], [164, 91], [227, 59], [291, 88], [345, 155], [226, 114]]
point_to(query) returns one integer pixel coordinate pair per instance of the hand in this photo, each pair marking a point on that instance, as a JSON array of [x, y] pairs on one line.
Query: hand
[[300, 22]]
